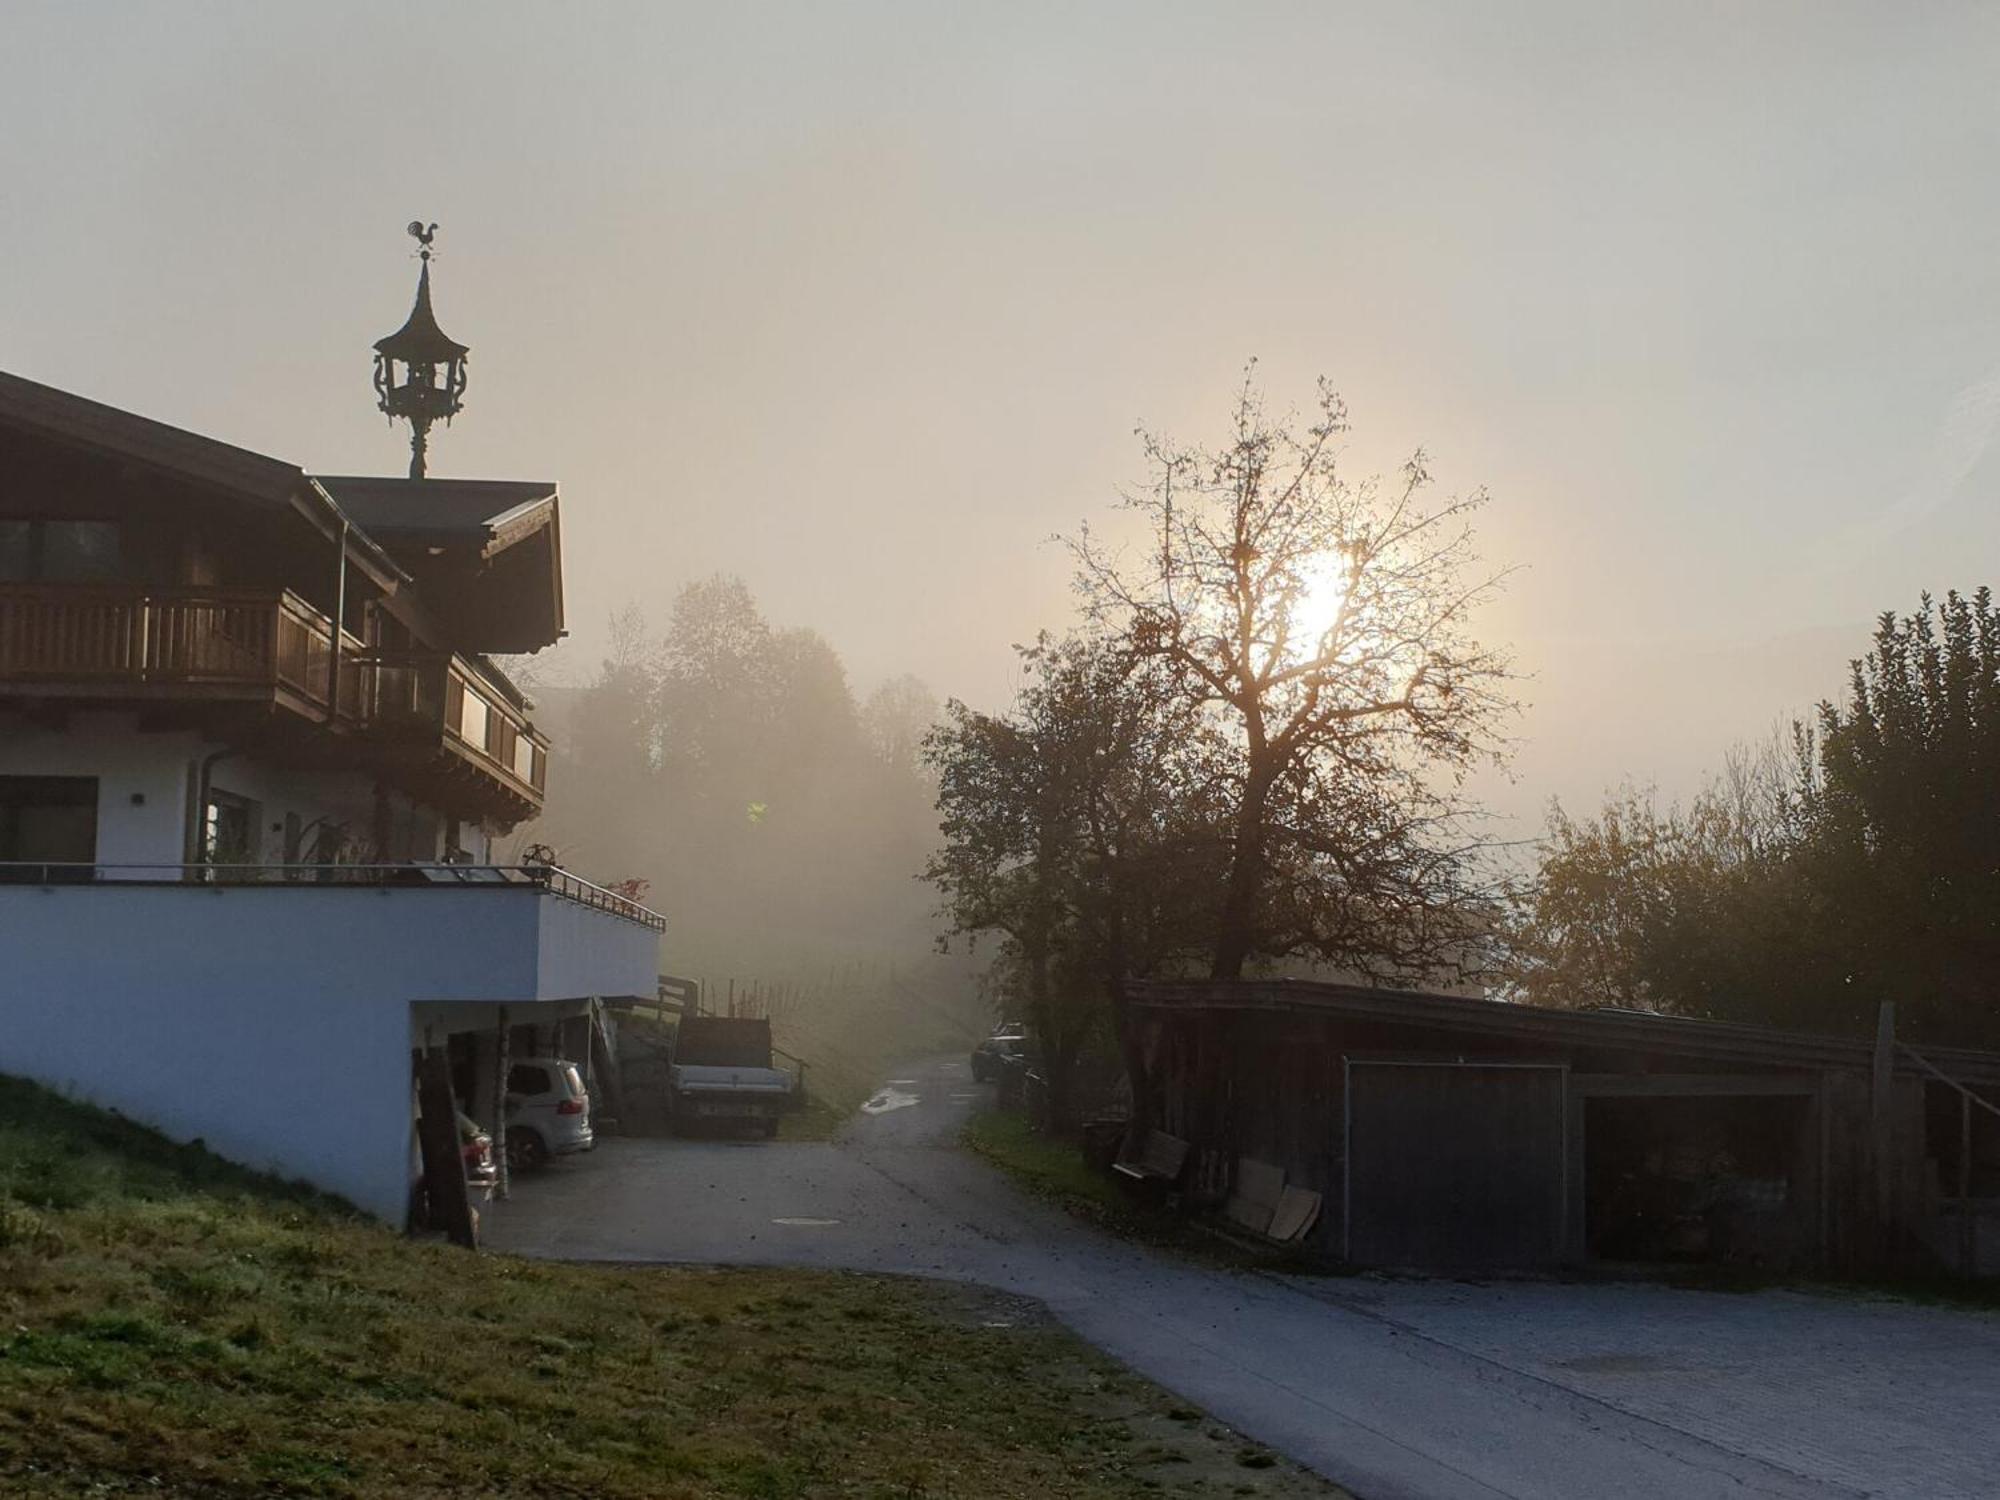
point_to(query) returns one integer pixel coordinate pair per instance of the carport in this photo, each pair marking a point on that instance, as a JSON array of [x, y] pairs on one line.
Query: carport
[[463, 1057]]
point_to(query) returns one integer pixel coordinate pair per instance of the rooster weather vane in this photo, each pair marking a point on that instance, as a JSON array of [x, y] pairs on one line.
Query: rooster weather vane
[[419, 371]]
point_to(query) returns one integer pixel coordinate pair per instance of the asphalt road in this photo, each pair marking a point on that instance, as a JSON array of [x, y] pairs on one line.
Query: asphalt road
[[1437, 1390]]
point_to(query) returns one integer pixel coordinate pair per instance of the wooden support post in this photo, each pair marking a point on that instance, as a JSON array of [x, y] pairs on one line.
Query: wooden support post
[[604, 1062], [1883, 1115], [504, 1181], [1968, 1227], [444, 1167]]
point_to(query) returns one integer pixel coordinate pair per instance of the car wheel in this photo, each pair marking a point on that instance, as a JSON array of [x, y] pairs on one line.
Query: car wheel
[[526, 1151]]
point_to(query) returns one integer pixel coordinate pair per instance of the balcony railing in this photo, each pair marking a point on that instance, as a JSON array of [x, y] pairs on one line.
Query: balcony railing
[[192, 642], [173, 640], [479, 722], [419, 875]]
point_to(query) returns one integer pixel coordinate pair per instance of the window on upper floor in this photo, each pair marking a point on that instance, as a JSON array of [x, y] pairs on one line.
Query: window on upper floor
[[16, 550], [472, 720], [60, 552]]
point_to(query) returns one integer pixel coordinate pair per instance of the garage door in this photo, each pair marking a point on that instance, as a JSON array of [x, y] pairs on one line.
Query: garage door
[[1454, 1165]]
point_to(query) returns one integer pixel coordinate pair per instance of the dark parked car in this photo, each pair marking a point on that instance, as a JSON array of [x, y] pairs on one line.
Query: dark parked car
[[475, 1148], [1008, 1045], [482, 1173]]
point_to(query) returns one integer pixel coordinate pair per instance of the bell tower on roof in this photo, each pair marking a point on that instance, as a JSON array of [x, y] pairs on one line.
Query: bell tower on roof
[[419, 371]]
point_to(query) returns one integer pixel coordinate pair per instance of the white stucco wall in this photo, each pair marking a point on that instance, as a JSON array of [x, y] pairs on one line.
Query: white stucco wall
[[155, 768], [586, 952], [274, 1023], [161, 769]]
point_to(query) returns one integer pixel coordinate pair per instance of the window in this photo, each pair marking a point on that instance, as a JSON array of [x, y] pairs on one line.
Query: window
[[48, 819], [16, 551], [522, 1079], [60, 551], [472, 720], [79, 551], [229, 830]]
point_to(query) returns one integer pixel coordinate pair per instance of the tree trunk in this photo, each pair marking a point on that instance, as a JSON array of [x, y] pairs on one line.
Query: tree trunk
[[1236, 929], [1059, 1073]]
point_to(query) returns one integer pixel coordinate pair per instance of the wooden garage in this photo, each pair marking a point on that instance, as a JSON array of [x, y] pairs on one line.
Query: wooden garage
[[1450, 1133]]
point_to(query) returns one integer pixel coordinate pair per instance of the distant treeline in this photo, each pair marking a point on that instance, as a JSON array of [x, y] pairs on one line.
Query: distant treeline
[[777, 820], [1856, 859]]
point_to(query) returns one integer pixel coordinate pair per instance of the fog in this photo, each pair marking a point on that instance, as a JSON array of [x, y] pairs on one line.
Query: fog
[[861, 304]]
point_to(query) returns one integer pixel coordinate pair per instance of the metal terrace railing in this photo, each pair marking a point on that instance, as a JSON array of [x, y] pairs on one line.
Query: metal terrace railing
[[407, 876]]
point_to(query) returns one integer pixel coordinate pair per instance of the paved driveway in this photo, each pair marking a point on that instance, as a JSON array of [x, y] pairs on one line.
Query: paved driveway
[[1430, 1389]]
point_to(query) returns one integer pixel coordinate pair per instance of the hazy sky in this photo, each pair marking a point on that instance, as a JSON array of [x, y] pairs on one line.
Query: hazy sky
[[863, 302]]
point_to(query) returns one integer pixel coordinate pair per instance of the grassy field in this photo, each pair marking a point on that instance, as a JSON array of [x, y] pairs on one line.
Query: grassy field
[[171, 1325]]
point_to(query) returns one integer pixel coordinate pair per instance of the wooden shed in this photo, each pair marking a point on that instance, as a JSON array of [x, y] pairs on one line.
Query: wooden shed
[[1446, 1132]]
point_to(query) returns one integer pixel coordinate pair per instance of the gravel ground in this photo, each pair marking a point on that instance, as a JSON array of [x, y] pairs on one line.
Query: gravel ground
[[1393, 1388]]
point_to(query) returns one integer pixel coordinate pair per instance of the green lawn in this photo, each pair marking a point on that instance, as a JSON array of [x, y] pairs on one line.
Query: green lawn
[[171, 1325]]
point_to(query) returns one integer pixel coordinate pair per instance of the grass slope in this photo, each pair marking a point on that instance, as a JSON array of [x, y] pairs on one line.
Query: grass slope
[[1055, 1170], [172, 1325]]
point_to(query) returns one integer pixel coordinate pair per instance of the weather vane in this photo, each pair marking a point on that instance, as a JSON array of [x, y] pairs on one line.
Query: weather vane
[[419, 371]]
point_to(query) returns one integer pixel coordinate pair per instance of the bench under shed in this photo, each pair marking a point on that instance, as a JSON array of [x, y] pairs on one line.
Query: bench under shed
[[1159, 1158]]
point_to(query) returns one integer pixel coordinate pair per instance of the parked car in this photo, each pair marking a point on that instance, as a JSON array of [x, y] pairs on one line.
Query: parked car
[[1007, 1046], [547, 1112], [482, 1172], [475, 1149]]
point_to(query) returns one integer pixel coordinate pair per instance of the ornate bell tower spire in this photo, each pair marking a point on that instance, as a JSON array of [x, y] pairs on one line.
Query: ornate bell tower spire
[[419, 372]]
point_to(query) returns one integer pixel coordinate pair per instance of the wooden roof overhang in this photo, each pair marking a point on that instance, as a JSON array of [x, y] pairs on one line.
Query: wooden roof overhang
[[486, 552], [1458, 1018]]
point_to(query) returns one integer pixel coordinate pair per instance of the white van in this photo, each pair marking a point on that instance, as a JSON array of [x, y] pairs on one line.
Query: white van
[[548, 1112]]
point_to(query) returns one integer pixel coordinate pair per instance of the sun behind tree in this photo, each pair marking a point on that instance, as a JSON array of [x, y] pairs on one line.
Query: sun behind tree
[[1325, 627]]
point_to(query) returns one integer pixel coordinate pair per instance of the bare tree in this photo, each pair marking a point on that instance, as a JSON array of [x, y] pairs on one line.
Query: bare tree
[[1324, 626]]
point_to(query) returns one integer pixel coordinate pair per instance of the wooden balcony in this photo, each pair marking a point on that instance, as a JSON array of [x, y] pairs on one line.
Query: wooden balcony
[[90, 641], [447, 698], [218, 645]]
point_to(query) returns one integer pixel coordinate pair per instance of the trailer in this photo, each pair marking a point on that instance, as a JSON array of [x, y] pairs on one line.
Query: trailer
[[722, 1074]]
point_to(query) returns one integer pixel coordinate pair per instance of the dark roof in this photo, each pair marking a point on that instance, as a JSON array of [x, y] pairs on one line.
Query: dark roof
[[1624, 1029], [53, 413], [420, 341], [397, 526], [491, 512], [80, 422], [487, 553]]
